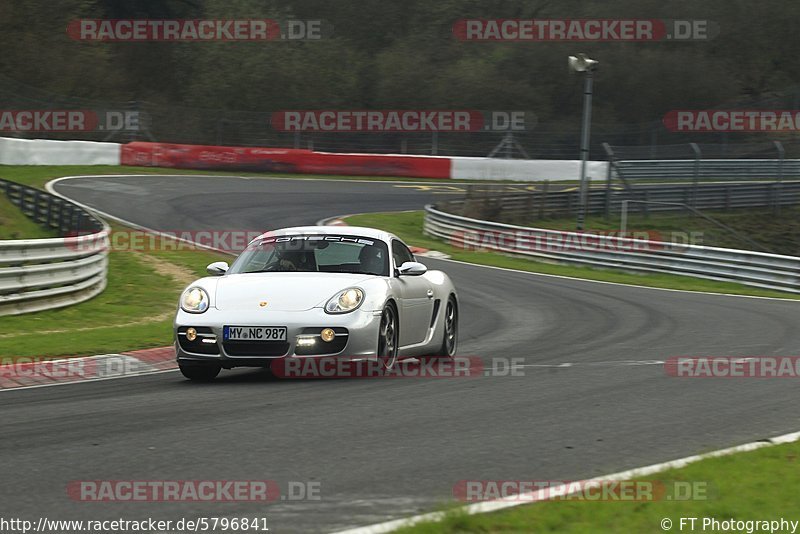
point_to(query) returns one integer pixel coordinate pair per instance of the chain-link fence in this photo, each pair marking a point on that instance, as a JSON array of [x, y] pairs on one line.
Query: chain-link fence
[[545, 140]]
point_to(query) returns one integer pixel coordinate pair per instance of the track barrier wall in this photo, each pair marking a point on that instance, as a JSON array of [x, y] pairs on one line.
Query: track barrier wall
[[287, 160]]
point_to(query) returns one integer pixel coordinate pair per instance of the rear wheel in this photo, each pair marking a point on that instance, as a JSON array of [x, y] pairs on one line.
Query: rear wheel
[[199, 372], [387, 337]]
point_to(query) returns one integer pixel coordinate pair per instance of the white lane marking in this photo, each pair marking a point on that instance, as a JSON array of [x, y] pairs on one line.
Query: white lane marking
[[328, 220], [86, 381], [431, 181], [546, 494], [621, 363], [49, 187]]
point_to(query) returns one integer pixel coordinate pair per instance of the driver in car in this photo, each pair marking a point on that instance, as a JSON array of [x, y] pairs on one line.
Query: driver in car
[[297, 260], [372, 261]]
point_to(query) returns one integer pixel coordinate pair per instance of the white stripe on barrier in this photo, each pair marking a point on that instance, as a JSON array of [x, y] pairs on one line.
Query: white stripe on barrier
[[528, 170], [49, 152]]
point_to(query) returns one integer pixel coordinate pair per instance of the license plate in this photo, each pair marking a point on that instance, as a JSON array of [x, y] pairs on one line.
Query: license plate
[[254, 333]]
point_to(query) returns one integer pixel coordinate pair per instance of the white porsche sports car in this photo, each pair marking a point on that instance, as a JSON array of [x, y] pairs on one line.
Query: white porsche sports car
[[318, 291]]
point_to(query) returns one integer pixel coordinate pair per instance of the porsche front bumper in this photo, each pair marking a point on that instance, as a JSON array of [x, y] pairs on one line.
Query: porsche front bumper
[[356, 336]]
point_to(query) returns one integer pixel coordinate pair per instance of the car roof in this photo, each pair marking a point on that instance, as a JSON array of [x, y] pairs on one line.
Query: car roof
[[360, 231]]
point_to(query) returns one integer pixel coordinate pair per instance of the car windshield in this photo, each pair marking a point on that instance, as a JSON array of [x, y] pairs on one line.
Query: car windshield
[[314, 253]]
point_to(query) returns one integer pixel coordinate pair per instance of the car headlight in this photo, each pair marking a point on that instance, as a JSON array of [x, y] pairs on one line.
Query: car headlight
[[345, 301], [194, 300]]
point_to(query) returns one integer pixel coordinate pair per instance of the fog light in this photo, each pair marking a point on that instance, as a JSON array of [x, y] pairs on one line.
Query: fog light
[[327, 335], [305, 341], [191, 334]]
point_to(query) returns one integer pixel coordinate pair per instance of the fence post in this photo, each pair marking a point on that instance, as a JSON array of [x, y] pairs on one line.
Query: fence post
[[623, 218], [573, 199], [49, 217], [610, 154], [435, 143], [779, 185], [543, 202], [35, 206], [66, 217], [220, 128], [697, 155], [776, 197], [528, 210]]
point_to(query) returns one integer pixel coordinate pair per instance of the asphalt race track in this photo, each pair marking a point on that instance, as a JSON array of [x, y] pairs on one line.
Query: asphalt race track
[[383, 449]]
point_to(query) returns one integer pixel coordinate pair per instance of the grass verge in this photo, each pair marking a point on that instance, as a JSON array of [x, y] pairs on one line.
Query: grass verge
[[776, 233], [408, 226], [755, 485]]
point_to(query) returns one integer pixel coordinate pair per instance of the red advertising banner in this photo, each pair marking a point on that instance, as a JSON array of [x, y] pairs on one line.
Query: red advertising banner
[[282, 160]]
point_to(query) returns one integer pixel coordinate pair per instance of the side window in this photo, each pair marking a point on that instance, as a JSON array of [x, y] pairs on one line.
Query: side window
[[400, 253]]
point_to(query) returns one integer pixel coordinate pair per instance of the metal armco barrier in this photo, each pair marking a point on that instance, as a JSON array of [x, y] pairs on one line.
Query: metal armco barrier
[[490, 202], [770, 271], [41, 274], [699, 161], [709, 169]]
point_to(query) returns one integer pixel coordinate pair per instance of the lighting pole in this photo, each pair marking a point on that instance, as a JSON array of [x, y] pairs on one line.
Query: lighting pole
[[582, 63]]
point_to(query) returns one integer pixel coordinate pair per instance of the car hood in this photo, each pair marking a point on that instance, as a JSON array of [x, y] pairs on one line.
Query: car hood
[[281, 291]]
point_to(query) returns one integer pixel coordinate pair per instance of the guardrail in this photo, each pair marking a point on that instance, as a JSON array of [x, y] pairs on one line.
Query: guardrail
[[758, 269], [41, 274], [490, 202], [708, 169], [694, 161]]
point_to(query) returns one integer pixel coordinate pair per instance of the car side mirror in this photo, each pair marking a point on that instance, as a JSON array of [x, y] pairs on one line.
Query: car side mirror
[[218, 268], [412, 268]]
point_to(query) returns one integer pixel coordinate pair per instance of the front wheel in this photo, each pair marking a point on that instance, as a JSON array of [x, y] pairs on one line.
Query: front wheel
[[199, 372], [388, 336], [449, 345]]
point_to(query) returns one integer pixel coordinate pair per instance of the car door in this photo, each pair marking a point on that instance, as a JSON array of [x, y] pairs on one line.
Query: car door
[[416, 299]]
